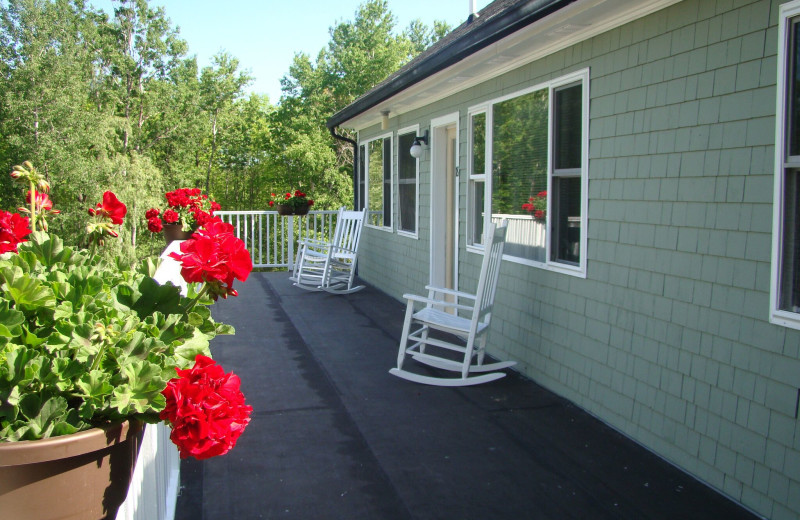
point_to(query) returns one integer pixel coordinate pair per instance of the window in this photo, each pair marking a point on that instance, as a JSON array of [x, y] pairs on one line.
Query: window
[[535, 142], [375, 181], [785, 297], [362, 181], [519, 171], [407, 177], [477, 177], [566, 181]]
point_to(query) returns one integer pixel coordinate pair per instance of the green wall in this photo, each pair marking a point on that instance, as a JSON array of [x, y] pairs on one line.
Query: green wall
[[667, 339]]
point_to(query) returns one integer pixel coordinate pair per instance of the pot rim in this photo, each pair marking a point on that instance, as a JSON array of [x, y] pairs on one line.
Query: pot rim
[[64, 446]]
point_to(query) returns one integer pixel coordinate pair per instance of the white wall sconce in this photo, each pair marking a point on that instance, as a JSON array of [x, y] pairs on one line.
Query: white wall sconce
[[416, 148], [384, 119]]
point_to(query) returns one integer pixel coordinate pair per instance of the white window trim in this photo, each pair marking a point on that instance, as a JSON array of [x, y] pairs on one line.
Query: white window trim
[[780, 317], [415, 235], [582, 76], [453, 118], [366, 143], [481, 177]]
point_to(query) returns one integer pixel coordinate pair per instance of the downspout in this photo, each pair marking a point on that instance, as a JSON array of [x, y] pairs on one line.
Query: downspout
[[355, 163]]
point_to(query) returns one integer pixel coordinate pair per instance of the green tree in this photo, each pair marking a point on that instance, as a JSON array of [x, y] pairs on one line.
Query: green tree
[[359, 55], [48, 110], [220, 85]]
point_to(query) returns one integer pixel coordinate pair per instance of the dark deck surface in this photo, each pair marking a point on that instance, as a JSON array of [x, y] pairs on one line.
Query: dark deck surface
[[334, 436]]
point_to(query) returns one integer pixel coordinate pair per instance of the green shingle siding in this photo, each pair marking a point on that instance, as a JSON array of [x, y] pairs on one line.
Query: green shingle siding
[[667, 338]]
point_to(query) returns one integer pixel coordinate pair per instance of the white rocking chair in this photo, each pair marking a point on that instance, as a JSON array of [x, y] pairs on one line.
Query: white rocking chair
[[331, 266], [468, 322]]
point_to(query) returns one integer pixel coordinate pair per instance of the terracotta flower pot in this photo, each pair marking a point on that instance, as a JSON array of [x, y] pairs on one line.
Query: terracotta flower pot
[[83, 476], [175, 232]]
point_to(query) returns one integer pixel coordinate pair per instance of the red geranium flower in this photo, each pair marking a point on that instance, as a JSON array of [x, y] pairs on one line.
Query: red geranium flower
[[154, 225], [152, 212], [43, 202], [13, 230], [214, 256], [107, 213], [171, 216], [206, 409], [111, 208], [43, 207]]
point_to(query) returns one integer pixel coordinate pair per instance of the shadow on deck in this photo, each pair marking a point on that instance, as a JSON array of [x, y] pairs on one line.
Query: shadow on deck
[[334, 436]]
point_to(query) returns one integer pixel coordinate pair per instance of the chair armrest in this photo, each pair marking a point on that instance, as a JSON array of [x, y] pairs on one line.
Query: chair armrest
[[313, 242], [450, 291], [340, 249], [431, 301]]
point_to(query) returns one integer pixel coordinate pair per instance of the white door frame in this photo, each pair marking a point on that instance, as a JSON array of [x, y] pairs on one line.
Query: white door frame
[[438, 207]]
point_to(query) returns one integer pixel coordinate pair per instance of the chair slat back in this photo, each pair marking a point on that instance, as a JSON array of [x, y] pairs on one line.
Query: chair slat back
[[490, 270], [348, 229]]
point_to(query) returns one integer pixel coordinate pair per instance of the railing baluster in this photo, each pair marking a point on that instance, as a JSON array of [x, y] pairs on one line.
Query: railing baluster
[[270, 237]]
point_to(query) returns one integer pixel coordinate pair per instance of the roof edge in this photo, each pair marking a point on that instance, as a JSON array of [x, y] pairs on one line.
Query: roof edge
[[502, 25]]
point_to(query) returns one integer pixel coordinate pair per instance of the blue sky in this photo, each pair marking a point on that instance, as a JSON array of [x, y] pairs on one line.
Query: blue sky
[[265, 34]]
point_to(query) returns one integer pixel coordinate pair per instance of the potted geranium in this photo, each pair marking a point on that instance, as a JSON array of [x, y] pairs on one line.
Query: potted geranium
[[291, 203], [537, 206], [91, 348], [187, 209]]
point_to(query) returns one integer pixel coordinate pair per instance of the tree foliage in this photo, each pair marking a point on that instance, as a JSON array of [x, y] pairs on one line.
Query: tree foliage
[[360, 54], [101, 102]]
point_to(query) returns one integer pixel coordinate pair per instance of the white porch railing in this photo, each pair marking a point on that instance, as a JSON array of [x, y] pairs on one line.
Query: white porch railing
[[526, 237], [523, 229], [272, 238], [153, 491]]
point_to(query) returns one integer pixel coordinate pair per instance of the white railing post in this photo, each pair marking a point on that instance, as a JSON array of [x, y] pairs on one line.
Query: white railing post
[[291, 242]]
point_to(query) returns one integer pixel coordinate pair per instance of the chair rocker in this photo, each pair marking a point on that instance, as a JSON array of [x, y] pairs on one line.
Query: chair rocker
[[468, 322], [331, 266]]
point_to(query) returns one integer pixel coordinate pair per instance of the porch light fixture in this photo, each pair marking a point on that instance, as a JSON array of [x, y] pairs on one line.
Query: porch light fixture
[[384, 119], [416, 148]]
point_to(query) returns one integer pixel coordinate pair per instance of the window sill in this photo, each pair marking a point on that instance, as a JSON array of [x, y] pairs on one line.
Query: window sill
[[577, 271], [785, 319], [379, 228]]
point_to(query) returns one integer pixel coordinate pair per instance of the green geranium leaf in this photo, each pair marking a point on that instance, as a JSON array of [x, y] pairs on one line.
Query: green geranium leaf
[[32, 339], [197, 343], [31, 294], [17, 364], [10, 321], [126, 296], [149, 266], [95, 387], [9, 273], [13, 396], [48, 248], [222, 328], [142, 393], [64, 310], [52, 413], [153, 297], [66, 426], [67, 371], [30, 405]]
